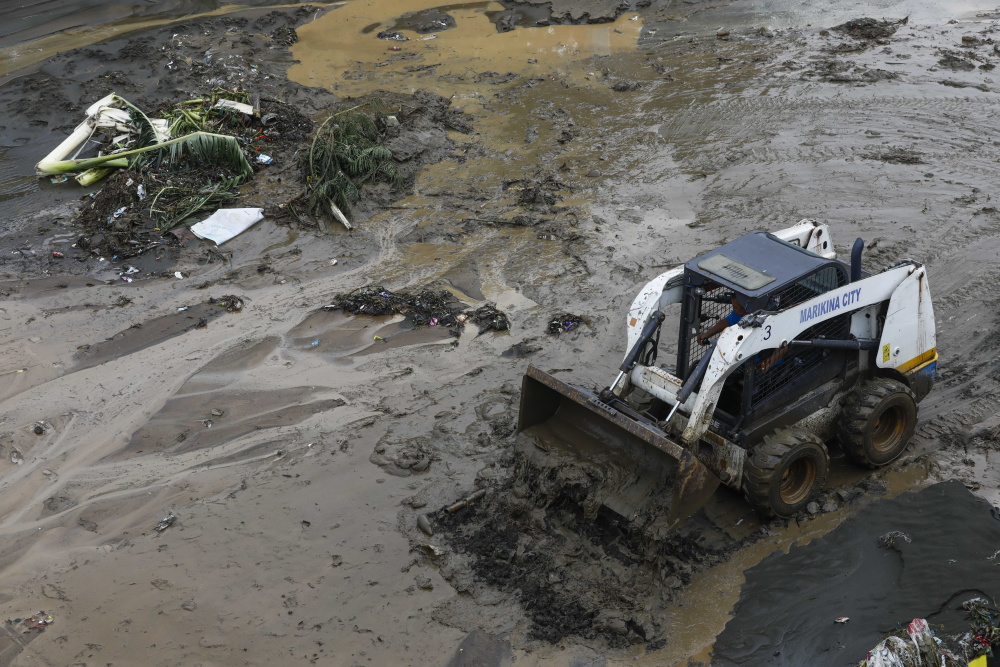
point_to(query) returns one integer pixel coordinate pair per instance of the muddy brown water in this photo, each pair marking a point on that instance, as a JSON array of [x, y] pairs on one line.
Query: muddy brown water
[[298, 540]]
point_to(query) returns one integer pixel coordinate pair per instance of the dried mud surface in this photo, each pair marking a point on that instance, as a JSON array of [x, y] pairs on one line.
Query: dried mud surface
[[308, 455]]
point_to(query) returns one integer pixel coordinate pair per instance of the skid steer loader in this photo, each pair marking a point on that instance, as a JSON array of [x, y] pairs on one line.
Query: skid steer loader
[[780, 348]]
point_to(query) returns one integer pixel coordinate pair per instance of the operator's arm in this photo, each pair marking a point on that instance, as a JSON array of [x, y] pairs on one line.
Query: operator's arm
[[718, 327], [774, 358]]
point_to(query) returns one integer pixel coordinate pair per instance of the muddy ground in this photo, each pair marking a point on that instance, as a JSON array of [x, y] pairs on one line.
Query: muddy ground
[[297, 446]]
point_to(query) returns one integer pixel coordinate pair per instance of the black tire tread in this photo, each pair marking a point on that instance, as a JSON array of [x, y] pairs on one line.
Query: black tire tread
[[858, 411], [765, 459]]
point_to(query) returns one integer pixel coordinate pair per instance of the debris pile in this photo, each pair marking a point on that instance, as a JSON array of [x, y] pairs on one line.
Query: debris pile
[[162, 172], [39, 621], [347, 152], [231, 302], [919, 645], [488, 318], [425, 308], [564, 322]]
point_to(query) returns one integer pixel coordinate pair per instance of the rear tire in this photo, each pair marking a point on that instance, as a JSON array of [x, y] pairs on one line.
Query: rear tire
[[784, 472], [878, 422]]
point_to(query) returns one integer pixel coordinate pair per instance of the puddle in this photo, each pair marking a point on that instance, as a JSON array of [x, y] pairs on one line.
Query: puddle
[[341, 51]]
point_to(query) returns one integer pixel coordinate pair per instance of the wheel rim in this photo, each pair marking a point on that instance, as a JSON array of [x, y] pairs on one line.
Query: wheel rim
[[888, 429], [797, 481]]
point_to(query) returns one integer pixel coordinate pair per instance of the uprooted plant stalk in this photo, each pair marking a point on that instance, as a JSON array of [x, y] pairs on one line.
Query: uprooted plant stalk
[[344, 155]]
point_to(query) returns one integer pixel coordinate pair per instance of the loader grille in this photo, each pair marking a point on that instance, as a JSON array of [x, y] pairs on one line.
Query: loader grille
[[711, 312], [796, 362], [800, 361]]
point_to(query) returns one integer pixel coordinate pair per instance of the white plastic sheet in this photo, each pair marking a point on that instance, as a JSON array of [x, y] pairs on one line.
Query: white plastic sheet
[[227, 223]]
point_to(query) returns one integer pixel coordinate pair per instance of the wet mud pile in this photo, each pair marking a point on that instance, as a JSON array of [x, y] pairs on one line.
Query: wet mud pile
[[576, 569], [870, 29], [922, 554]]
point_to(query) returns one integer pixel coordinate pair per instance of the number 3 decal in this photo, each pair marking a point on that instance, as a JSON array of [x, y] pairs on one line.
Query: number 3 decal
[[767, 332]]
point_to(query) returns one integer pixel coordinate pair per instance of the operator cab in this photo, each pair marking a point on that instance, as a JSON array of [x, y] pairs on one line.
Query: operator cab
[[763, 273]]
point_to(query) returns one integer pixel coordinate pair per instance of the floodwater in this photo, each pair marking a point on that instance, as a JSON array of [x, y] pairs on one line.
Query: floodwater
[[287, 530]]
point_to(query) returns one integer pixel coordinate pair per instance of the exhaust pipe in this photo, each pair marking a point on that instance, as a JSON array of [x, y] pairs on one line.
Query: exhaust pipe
[[859, 245]]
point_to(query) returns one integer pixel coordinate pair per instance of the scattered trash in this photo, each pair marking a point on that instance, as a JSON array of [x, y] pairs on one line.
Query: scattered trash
[[39, 621], [57, 255], [183, 308], [216, 412], [841, 619], [564, 322], [58, 179], [265, 159], [314, 343], [165, 523], [424, 39], [392, 35], [378, 339], [235, 106], [15, 457], [227, 223], [333, 262], [178, 275], [231, 302], [395, 48], [39, 428], [888, 541], [141, 192], [476, 495], [424, 524]]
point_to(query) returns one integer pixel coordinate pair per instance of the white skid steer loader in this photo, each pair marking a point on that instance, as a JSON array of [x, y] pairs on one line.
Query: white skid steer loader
[[780, 348]]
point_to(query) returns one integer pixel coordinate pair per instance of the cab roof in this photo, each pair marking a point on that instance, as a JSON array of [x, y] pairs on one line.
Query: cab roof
[[758, 264]]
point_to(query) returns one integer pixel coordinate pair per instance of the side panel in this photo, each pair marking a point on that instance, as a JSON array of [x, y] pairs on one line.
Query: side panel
[[657, 293], [908, 340]]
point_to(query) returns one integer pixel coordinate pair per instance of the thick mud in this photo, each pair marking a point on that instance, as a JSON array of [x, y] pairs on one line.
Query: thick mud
[[919, 555], [561, 168]]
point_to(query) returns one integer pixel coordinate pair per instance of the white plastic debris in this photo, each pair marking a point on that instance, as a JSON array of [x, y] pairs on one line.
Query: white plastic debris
[[235, 106], [227, 223], [178, 275]]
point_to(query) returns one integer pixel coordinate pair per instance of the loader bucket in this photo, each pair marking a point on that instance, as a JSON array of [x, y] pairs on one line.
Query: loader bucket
[[639, 473]]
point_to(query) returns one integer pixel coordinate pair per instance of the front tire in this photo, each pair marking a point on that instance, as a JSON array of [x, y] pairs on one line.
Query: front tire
[[878, 422], [784, 472]]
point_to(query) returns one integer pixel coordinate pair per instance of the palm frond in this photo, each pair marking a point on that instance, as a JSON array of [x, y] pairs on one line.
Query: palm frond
[[147, 135], [203, 147]]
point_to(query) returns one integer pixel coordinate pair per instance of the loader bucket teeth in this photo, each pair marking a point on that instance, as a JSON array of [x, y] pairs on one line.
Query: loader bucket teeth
[[598, 455]]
